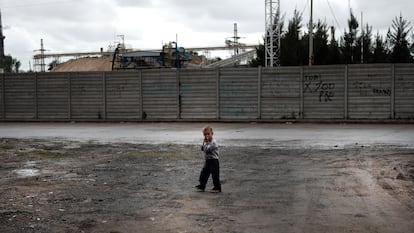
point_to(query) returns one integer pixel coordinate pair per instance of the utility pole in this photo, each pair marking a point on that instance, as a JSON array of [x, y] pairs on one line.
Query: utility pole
[[42, 57], [272, 33], [351, 31], [311, 34], [236, 40]]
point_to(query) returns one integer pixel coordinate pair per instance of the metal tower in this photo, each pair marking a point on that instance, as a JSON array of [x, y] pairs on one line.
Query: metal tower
[[41, 57], [236, 40], [272, 37], [233, 42]]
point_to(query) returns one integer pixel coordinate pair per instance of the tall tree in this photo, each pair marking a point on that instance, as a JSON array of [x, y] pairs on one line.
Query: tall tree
[[320, 43], [10, 64], [16, 65], [334, 56], [290, 42], [412, 43], [348, 48], [260, 57], [365, 40], [380, 54], [400, 46]]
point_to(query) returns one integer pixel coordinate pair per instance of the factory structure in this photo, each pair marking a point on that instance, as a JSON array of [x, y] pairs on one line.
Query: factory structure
[[171, 55], [119, 57]]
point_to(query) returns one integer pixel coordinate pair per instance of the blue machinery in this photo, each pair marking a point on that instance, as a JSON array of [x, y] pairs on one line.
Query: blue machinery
[[169, 57]]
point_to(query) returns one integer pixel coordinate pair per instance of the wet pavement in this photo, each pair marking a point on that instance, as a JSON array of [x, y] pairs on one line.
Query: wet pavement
[[228, 134]]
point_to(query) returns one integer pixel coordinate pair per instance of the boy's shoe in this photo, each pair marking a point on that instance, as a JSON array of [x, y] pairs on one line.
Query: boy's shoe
[[216, 190], [199, 188]]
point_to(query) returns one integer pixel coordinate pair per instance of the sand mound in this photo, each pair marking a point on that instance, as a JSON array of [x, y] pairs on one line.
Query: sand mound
[[85, 64]]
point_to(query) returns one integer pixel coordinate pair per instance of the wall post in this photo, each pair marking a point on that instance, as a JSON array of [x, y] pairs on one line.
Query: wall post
[[36, 115], [104, 95], [178, 84], [392, 115], [302, 95], [4, 95], [259, 92], [218, 93], [69, 77], [141, 95], [346, 93]]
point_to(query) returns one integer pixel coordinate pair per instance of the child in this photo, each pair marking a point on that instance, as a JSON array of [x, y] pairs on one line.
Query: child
[[211, 164]]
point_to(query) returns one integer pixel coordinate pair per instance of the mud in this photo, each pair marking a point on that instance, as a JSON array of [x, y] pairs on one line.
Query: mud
[[71, 186]]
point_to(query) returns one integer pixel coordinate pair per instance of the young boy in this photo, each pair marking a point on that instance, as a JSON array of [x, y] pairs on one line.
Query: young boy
[[211, 164]]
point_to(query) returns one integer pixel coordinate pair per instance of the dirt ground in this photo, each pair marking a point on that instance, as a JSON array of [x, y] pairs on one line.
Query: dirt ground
[[69, 186]]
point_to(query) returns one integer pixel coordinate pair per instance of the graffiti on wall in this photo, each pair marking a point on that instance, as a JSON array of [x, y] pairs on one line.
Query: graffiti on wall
[[370, 89], [315, 84]]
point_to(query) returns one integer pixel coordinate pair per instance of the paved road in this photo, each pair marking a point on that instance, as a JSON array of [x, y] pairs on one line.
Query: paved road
[[230, 134]]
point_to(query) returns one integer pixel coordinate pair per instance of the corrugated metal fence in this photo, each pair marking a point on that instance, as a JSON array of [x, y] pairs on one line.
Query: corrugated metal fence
[[351, 92]]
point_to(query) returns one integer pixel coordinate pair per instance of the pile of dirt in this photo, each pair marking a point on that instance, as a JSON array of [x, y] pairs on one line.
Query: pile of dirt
[[85, 64], [103, 63]]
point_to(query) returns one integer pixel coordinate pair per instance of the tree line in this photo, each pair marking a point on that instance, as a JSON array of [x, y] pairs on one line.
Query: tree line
[[9, 64], [357, 45]]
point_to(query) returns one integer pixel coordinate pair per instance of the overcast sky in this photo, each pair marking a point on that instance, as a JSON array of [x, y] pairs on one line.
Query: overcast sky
[[88, 25]]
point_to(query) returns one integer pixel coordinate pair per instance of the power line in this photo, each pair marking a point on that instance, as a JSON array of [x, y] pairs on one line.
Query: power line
[[305, 7], [333, 14]]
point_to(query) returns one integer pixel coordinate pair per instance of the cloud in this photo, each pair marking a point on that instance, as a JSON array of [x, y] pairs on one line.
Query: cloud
[[20, 41], [382, 13], [135, 3], [216, 15]]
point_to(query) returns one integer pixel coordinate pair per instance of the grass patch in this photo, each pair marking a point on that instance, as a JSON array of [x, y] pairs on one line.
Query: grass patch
[[42, 154], [7, 143], [6, 147], [49, 154]]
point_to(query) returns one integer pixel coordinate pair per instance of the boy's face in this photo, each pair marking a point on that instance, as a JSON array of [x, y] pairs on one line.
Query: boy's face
[[208, 135]]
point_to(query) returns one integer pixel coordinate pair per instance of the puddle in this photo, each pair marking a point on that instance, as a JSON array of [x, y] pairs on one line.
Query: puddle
[[30, 163], [27, 172]]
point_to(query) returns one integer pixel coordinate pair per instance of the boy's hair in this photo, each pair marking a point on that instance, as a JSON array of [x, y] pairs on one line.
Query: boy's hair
[[207, 128]]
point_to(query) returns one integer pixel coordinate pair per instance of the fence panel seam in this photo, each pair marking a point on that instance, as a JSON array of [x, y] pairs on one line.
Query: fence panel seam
[[346, 93], [69, 76], [36, 111], [4, 95], [392, 109], [259, 92], [302, 96], [178, 95], [104, 97], [218, 93], [141, 111]]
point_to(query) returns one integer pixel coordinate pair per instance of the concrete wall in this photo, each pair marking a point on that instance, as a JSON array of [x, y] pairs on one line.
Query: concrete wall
[[353, 92]]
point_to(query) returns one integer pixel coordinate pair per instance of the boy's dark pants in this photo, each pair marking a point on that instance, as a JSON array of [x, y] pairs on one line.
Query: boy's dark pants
[[211, 166]]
